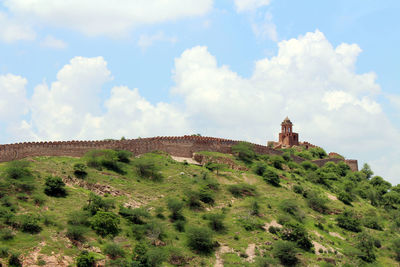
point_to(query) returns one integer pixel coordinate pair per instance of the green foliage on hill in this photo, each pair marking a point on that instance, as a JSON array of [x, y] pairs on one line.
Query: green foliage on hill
[[113, 208]]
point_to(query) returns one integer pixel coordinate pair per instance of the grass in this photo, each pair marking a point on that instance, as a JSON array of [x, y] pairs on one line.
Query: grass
[[178, 179]]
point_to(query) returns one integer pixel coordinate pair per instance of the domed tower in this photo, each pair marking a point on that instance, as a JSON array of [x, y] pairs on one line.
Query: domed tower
[[287, 137]]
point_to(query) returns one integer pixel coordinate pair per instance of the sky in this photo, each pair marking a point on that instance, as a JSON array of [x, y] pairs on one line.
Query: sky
[[96, 69]]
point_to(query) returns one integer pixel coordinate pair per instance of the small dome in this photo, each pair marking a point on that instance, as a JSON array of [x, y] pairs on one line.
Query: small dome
[[286, 121]]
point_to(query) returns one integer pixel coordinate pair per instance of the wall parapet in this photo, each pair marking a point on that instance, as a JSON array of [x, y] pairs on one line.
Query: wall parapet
[[180, 146]]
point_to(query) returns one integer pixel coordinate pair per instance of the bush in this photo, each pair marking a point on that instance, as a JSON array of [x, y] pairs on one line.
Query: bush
[[206, 196], [296, 233], [80, 217], [200, 240], [113, 251], [316, 202], [366, 246], [307, 165], [255, 208], [105, 223], [80, 170], [298, 189], [216, 221], [277, 162], [6, 234], [4, 251], [244, 151], [76, 232], [180, 225], [193, 199], [29, 224], [260, 168], [348, 220], [286, 252], [372, 222], [106, 158], [241, 190], [175, 206], [396, 248], [55, 187], [251, 223], [271, 177], [345, 198], [155, 257], [38, 199], [290, 206], [97, 203], [14, 260], [124, 156], [136, 216], [18, 170], [85, 259], [147, 168]]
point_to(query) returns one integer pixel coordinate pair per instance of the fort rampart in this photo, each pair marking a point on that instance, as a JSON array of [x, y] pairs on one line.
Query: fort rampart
[[180, 146]]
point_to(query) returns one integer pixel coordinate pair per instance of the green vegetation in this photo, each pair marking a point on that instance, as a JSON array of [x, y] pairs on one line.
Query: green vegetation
[[153, 211]]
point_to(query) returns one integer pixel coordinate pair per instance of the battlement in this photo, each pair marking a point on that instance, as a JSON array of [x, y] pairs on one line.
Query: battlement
[[179, 146]]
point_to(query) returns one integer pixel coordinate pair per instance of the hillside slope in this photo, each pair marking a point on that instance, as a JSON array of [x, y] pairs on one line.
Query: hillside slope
[[243, 210]]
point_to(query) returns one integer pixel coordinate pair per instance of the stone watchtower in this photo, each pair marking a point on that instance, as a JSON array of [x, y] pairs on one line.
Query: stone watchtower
[[287, 137]]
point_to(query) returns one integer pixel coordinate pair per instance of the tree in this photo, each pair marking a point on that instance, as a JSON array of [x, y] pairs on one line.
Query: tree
[[285, 251], [367, 171], [97, 203], [80, 170], [175, 206], [271, 177], [212, 166], [348, 220], [55, 187], [200, 239], [105, 223], [295, 232], [366, 246]]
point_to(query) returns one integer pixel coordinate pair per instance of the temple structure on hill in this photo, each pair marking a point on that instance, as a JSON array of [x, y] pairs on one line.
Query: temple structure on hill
[[288, 138]]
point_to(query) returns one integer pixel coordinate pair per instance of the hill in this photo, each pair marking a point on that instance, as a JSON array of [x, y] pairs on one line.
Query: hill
[[113, 209]]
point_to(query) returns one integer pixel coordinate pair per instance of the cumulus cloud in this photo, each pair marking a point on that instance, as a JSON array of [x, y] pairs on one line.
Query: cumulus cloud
[[309, 80], [146, 40], [13, 101], [12, 30], [248, 5], [54, 43], [102, 17]]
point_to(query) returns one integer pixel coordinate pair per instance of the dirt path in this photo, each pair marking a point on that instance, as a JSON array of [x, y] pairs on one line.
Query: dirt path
[[251, 252], [219, 262], [336, 235], [183, 159]]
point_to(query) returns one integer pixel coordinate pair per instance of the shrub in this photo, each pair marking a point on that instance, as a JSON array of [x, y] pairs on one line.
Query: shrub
[[260, 168], [155, 256], [80, 170], [296, 233], [29, 224], [298, 189], [104, 158], [396, 248], [290, 206], [85, 259], [97, 203], [193, 199], [175, 206], [255, 208], [316, 201], [274, 230], [4, 251], [113, 251], [241, 190], [345, 198], [6, 234], [105, 223], [206, 196], [200, 239], [216, 221], [55, 187], [136, 216], [347, 220], [244, 151], [286, 156], [76, 232], [18, 170], [213, 166], [80, 217], [307, 165], [372, 222], [38, 199], [366, 246], [286, 252], [277, 162], [147, 168], [180, 225], [124, 156], [14, 260], [271, 177], [251, 223]]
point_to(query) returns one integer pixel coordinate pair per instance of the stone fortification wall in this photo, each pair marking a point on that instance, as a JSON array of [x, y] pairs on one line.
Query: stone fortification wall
[[179, 146]]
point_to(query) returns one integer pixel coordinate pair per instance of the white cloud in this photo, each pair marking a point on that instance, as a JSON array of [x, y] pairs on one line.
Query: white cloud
[[147, 40], [248, 5], [309, 80], [13, 101], [52, 42], [11, 30], [265, 28], [102, 17]]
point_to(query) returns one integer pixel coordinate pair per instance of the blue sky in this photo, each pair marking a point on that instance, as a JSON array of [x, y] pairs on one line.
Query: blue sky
[[230, 68]]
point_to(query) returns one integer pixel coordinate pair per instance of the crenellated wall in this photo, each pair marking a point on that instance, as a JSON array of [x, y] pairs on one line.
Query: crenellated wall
[[180, 146]]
